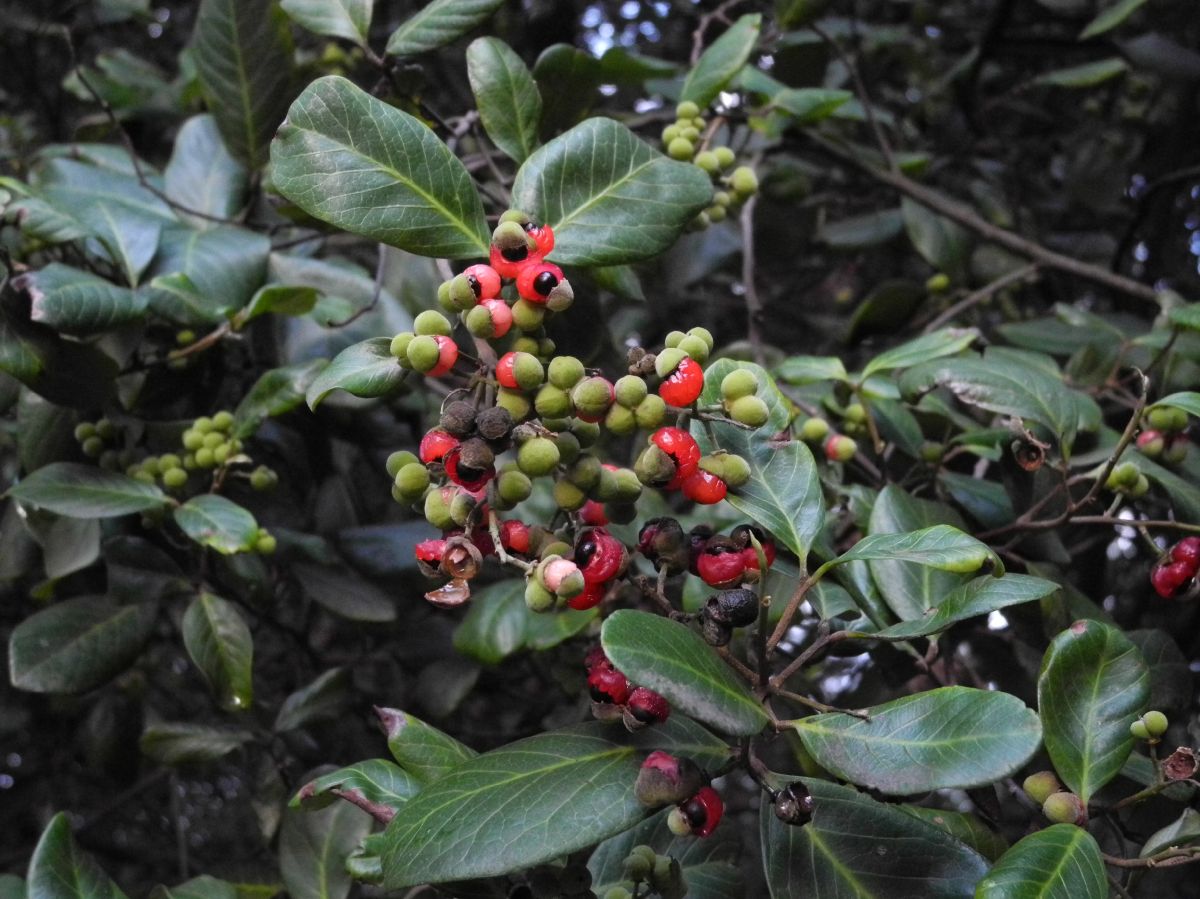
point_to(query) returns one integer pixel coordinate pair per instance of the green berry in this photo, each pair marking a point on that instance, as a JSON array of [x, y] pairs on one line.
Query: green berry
[[462, 294], [168, 460], [412, 480], [1156, 723], [538, 457], [423, 353], [1040, 786], [189, 461], [461, 507], [688, 131], [203, 424], [568, 447], [630, 390], [174, 478], [840, 448], [606, 488], [106, 430], [93, 446], [856, 413], [222, 453], [514, 486], [814, 430], [515, 215], [552, 402], [1167, 419], [1139, 731], [263, 478], [592, 397], [223, 420], [398, 460], [627, 486], [681, 149], [565, 372], [672, 339], [706, 160], [749, 410], [568, 497], [679, 825], [525, 345], [716, 213], [1140, 488], [688, 109], [184, 337], [528, 371], [669, 134], [729, 467], [650, 412], [144, 476], [932, 452], [695, 347], [586, 432], [585, 471], [538, 598], [514, 402], [204, 458], [743, 181], [192, 439], [213, 439], [668, 360], [399, 345], [84, 430], [265, 544], [1122, 476], [704, 334], [722, 198], [938, 283], [738, 383], [432, 323], [1064, 808], [725, 156], [528, 316], [479, 323], [620, 420], [443, 297]]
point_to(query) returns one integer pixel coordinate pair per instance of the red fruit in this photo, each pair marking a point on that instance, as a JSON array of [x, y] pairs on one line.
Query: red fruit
[[544, 235], [431, 551], [511, 268], [599, 555], [447, 356], [592, 514], [682, 387], [721, 565], [501, 316], [514, 536], [482, 539], [1170, 580], [1151, 443], [607, 684], [741, 536], [595, 657], [470, 480], [647, 706], [504, 371], [592, 596], [535, 281], [683, 450], [1187, 550], [697, 539], [703, 487], [485, 281], [750, 559], [703, 811], [435, 444]]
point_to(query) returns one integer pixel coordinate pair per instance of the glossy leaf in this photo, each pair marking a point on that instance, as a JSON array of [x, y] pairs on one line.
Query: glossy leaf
[[366, 369], [976, 597], [243, 55], [220, 644], [280, 299], [204, 276], [942, 243], [809, 105], [185, 743], [78, 302], [945, 342], [964, 827], [344, 593], [802, 370], [860, 231], [1110, 17], [203, 887], [949, 737], [366, 167], [857, 847], [1093, 683], [940, 546], [202, 175], [276, 392], [217, 523], [1061, 862], [530, 802], [784, 492], [77, 644], [721, 61], [1089, 74], [494, 627], [375, 785], [611, 198], [421, 749], [1188, 401], [438, 23], [314, 846], [672, 659], [506, 95], [321, 698], [349, 19], [62, 371], [86, 491], [60, 870], [1183, 831]]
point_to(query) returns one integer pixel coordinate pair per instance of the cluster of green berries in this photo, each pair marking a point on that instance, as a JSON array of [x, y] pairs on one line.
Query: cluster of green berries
[[570, 881], [1163, 435], [97, 440], [662, 874], [1150, 726], [207, 444], [684, 141], [1059, 805], [1127, 479], [837, 447]]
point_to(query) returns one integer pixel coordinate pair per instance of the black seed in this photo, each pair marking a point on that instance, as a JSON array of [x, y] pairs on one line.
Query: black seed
[[695, 812], [515, 254], [544, 283], [599, 695], [643, 715], [475, 285]]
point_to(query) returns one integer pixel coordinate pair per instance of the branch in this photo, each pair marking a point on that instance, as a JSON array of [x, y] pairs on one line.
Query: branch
[[1017, 276]]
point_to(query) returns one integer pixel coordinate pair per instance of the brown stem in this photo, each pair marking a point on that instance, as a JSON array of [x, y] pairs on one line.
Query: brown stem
[[1168, 858], [860, 89]]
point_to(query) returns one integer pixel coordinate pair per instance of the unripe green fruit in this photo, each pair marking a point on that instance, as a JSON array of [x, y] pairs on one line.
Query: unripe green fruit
[[462, 294], [479, 323], [204, 458], [814, 430], [552, 402], [538, 457], [722, 198], [174, 478], [398, 460], [672, 339], [262, 478], [716, 213], [265, 544], [192, 439], [510, 235], [568, 497], [856, 413], [628, 487], [189, 461], [1040, 786], [412, 480], [743, 181], [437, 510], [654, 467], [461, 508], [668, 360], [515, 215], [669, 134], [749, 410], [592, 396], [423, 353], [557, 425], [514, 487], [516, 403], [586, 432], [729, 467], [840, 448], [678, 824], [1167, 419], [565, 372], [1175, 451], [938, 283], [213, 439], [1122, 476], [528, 371], [84, 430], [650, 412], [221, 453], [107, 430], [681, 149], [223, 420], [184, 337], [538, 598], [704, 334], [443, 297], [606, 488], [546, 348], [568, 447], [695, 346], [630, 390], [1064, 808], [620, 420], [93, 446], [526, 345], [144, 476], [528, 316], [1140, 488], [431, 322], [168, 460], [1139, 731], [725, 156], [203, 424], [706, 160], [585, 471], [738, 383], [688, 109], [1154, 723], [399, 345], [689, 132]]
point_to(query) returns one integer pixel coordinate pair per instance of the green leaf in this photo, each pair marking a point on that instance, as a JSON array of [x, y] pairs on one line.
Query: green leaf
[[611, 198], [219, 643], [204, 887], [809, 105], [939, 739], [203, 277], [421, 749], [887, 308], [1185, 316], [366, 369], [784, 492], [977, 597], [544, 797], [349, 19], [202, 175], [186, 743], [507, 96], [58, 869], [344, 593], [1188, 401], [721, 61], [282, 299], [77, 644], [78, 302], [218, 523], [567, 79], [1110, 18], [12, 887], [1087, 75], [373, 783], [860, 231], [366, 167], [1170, 676], [243, 55], [85, 491], [940, 546], [1061, 862], [494, 627], [314, 846], [857, 847], [672, 659], [1092, 684], [62, 371], [942, 243], [1181, 832], [322, 698], [801, 370], [945, 342], [964, 827], [276, 392], [438, 24]]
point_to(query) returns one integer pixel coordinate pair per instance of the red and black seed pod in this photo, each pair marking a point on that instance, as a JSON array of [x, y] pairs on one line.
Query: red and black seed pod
[[429, 556], [435, 444], [683, 450], [697, 539], [599, 555], [607, 684], [663, 542], [645, 707], [704, 487], [666, 780], [703, 811], [538, 280], [683, 386], [461, 559], [593, 594], [1187, 550], [1172, 579], [470, 465], [794, 804], [738, 608], [721, 564], [514, 537], [484, 281]]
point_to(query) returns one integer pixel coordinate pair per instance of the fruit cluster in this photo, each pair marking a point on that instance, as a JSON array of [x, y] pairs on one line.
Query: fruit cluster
[[1059, 805], [661, 874], [1163, 434], [1176, 571], [97, 441], [613, 696], [666, 780], [687, 141]]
